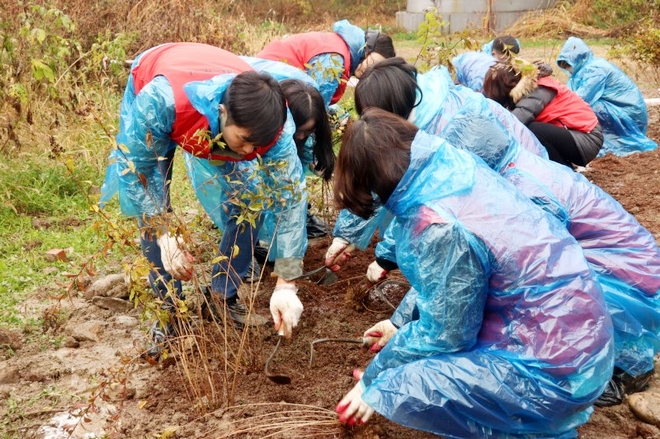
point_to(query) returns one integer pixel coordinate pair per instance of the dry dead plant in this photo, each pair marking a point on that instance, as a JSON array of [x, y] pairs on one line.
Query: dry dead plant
[[561, 21], [275, 420]]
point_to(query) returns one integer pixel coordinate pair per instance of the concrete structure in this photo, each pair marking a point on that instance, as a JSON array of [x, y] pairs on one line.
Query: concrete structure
[[495, 15]]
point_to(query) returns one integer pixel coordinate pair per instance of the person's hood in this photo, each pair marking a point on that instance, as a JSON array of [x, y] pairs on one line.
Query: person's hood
[[355, 39], [527, 84], [434, 88], [576, 53], [471, 68], [436, 170]]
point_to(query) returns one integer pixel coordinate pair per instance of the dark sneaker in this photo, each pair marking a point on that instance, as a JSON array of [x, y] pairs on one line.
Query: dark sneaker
[[159, 336], [240, 315], [316, 227], [622, 384], [261, 255], [254, 272]]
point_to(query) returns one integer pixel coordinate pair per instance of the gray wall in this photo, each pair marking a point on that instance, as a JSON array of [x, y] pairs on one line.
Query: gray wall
[[463, 13]]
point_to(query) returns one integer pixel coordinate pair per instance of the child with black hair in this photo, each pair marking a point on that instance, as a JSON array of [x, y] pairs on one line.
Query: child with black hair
[[313, 139], [216, 107]]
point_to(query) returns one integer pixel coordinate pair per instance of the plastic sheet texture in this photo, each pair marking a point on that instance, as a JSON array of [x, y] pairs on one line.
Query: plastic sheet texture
[[471, 68], [469, 121], [614, 97], [276, 181], [285, 222], [512, 337]]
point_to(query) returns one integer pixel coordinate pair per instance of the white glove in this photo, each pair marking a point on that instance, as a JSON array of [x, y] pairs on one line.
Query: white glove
[[378, 335], [285, 308], [177, 261], [352, 408], [376, 273], [338, 253]]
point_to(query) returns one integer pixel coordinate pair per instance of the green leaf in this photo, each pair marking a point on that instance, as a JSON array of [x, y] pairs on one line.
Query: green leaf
[[40, 70], [39, 34]]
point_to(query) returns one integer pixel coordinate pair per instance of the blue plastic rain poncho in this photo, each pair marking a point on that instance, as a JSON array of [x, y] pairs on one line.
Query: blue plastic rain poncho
[[208, 184], [614, 97], [440, 102], [323, 56], [262, 183], [504, 332], [282, 178], [282, 71], [623, 254], [471, 68], [320, 65]]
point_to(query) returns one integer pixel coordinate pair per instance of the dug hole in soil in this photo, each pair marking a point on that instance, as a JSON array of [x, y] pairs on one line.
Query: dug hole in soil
[[213, 385]]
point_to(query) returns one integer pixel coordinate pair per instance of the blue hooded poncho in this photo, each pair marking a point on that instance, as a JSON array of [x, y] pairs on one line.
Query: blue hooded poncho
[[208, 184], [614, 97], [471, 68], [277, 176], [623, 254], [440, 102], [354, 37], [504, 332]]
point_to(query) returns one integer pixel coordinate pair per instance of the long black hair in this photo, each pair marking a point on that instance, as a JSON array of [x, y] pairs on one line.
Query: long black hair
[[305, 103]]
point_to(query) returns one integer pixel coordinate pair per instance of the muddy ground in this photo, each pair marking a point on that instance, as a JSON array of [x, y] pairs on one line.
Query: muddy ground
[[92, 381]]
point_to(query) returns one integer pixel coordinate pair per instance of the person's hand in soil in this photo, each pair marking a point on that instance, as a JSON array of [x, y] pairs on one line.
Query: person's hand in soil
[[338, 253], [352, 409], [285, 307], [376, 273], [176, 259], [378, 335]]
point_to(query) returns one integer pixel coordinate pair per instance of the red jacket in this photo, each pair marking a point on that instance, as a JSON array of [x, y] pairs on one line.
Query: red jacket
[[297, 50], [567, 109], [182, 63]]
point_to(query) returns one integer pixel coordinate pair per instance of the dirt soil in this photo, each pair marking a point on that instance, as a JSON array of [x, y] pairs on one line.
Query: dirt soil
[[93, 382]]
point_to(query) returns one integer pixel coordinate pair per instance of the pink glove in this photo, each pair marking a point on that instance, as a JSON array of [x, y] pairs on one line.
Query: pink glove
[[352, 409], [376, 273], [286, 309], [338, 253], [378, 335], [176, 259]]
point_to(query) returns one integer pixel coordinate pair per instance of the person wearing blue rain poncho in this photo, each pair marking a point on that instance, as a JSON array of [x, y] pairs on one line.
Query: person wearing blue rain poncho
[[503, 47], [394, 85], [471, 68], [331, 58], [623, 254], [504, 332], [614, 97], [216, 107], [313, 140]]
